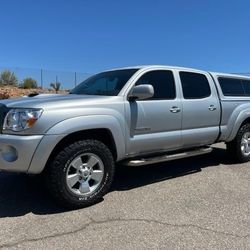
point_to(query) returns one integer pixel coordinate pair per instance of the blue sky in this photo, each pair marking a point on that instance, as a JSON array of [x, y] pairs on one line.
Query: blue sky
[[89, 36]]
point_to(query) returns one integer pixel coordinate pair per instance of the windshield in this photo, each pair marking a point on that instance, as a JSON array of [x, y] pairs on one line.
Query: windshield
[[107, 83]]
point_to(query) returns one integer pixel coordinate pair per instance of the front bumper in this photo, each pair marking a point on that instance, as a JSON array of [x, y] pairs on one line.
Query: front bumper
[[16, 151], [27, 154]]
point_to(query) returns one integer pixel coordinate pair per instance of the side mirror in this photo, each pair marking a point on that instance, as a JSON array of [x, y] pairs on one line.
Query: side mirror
[[142, 92]]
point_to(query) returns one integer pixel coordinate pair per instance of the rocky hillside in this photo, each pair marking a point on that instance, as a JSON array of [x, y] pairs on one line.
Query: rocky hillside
[[12, 92]]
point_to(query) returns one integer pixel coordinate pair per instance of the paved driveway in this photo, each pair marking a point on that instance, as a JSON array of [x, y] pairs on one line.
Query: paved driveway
[[195, 203]]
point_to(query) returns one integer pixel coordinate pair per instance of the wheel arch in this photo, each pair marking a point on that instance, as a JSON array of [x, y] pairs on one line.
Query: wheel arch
[[106, 129], [238, 124], [101, 134]]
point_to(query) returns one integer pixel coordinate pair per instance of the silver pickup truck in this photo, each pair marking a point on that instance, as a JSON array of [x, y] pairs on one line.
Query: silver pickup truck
[[131, 116]]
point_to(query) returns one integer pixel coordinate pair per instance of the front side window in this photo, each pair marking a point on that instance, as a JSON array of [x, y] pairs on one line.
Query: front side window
[[107, 83], [163, 83], [194, 85]]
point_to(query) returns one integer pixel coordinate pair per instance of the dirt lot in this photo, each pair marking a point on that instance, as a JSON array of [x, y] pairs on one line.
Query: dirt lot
[[196, 203]]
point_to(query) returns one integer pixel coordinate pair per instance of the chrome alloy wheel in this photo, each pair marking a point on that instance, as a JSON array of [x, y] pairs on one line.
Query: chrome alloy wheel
[[84, 174], [245, 144]]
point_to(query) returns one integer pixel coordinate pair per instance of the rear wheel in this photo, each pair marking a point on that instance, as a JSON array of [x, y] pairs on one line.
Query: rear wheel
[[81, 173], [239, 148]]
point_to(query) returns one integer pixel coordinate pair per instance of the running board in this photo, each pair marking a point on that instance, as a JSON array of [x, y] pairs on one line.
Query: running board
[[169, 157]]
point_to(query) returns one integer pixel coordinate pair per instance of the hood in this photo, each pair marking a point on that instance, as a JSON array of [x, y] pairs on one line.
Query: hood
[[55, 101]]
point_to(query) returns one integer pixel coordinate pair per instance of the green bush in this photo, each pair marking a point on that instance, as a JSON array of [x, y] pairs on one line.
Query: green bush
[[29, 83], [8, 78]]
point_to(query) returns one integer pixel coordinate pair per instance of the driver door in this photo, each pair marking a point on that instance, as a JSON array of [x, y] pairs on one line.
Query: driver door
[[155, 123]]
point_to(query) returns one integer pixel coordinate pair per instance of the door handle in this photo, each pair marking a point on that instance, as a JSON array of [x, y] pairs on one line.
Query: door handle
[[175, 109], [212, 108]]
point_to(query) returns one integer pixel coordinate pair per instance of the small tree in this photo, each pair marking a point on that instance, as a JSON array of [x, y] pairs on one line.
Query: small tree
[[56, 86], [8, 78], [29, 83]]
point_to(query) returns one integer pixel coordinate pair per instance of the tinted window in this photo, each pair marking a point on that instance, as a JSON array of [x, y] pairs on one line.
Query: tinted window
[[162, 81], [231, 87], [194, 86], [107, 83], [246, 86]]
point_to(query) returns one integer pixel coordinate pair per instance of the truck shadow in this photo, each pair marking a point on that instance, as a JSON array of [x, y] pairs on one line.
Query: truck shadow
[[21, 194], [132, 177]]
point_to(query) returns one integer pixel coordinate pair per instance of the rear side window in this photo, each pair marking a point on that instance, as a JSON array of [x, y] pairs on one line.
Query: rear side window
[[194, 85], [163, 83], [234, 87], [246, 86], [231, 87]]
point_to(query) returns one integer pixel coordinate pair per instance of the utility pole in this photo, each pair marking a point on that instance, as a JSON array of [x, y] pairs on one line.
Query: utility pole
[[75, 79], [42, 78]]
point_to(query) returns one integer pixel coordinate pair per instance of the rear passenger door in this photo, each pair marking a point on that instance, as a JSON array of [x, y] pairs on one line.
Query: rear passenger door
[[201, 109]]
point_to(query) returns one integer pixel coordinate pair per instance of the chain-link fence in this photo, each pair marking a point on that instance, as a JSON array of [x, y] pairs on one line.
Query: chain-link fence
[[44, 78]]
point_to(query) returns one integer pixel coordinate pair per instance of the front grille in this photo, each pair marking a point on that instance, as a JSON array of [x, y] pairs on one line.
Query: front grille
[[3, 112]]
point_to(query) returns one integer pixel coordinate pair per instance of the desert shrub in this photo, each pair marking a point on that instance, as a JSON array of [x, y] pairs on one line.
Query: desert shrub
[[29, 83], [8, 78], [4, 95], [56, 86]]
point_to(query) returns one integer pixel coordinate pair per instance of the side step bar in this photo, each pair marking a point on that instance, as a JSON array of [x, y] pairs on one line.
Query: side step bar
[[167, 157]]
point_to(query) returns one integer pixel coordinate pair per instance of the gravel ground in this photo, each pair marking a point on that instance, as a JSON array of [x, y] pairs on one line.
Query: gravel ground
[[197, 203]]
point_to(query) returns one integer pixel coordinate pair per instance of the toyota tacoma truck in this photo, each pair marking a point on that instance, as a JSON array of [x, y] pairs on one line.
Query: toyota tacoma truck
[[132, 116]]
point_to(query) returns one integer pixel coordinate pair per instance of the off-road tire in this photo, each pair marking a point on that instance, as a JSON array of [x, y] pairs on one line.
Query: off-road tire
[[55, 175]]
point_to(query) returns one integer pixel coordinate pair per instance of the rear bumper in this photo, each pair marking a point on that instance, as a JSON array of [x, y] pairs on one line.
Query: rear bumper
[[16, 152]]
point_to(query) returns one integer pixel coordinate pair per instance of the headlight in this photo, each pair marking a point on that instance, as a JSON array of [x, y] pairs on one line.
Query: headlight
[[21, 119]]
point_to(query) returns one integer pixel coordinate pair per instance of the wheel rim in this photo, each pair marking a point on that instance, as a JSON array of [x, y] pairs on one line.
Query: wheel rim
[[84, 174], [245, 144]]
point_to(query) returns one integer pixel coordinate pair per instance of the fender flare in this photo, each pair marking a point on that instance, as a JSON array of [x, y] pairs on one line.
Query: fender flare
[[236, 122], [62, 129], [81, 123]]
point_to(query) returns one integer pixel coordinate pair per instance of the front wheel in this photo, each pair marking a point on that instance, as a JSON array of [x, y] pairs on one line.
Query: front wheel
[[239, 148], [81, 173]]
